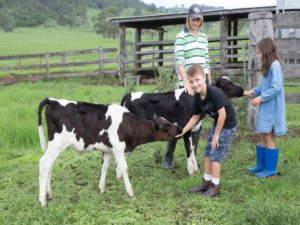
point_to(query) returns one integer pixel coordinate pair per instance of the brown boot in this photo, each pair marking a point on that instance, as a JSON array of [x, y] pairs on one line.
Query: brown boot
[[201, 188], [213, 190]]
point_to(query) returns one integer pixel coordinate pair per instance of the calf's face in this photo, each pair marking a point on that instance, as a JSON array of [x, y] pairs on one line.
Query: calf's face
[[164, 130], [230, 89]]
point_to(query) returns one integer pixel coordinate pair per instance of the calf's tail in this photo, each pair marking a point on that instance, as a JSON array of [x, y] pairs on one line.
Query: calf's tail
[[124, 99], [44, 102]]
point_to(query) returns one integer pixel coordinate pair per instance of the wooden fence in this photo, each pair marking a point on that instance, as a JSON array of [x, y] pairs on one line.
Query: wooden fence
[[231, 57], [87, 62]]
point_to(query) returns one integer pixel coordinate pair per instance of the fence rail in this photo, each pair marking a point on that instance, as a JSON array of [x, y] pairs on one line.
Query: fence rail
[[101, 61], [144, 56]]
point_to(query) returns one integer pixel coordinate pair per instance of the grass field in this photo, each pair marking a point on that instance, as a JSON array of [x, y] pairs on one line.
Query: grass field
[[161, 195], [43, 40], [40, 40]]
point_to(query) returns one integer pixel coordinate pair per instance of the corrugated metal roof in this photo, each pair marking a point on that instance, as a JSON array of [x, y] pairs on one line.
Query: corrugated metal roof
[[152, 21]]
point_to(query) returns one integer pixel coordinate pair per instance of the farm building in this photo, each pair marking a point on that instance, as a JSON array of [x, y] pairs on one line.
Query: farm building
[[231, 53]]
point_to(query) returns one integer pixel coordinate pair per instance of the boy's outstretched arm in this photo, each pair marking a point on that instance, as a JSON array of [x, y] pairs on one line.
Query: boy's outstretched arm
[[192, 122]]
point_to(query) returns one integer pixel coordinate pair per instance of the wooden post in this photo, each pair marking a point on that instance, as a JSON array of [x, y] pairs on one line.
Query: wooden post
[[122, 54], [223, 40], [160, 47], [229, 43], [101, 63], [63, 58], [138, 57], [235, 42], [260, 26], [47, 65]]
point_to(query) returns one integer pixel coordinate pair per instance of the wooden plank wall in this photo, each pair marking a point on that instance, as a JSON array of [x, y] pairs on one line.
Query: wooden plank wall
[[289, 48]]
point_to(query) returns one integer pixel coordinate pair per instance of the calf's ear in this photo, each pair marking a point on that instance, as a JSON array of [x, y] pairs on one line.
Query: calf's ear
[[155, 116]]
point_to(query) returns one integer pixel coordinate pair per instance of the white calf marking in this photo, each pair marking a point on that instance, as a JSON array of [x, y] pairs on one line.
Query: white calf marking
[[225, 77], [63, 102], [136, 95], [178, 93]]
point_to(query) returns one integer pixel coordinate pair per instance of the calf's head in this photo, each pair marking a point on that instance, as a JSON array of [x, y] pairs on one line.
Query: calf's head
[[230, 89], [165, 130]]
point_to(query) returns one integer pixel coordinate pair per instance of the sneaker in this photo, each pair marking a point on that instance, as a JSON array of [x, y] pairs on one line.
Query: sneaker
[[212, 191], [201, 188]]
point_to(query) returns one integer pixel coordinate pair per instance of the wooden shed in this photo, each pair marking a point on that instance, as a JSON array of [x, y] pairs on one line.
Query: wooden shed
[[228, 50]]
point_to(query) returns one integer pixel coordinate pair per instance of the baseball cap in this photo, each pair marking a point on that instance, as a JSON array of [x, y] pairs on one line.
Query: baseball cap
[[195, 12]]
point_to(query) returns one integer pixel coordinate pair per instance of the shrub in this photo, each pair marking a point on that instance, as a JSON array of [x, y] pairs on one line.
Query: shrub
[[7, 21], [166, 81]]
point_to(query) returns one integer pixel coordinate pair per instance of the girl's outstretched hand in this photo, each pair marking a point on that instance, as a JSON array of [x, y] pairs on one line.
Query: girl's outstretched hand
[[248, 93]]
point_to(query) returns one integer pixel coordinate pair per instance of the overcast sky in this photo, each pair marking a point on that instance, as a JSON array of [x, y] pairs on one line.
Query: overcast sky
[[227, 4]]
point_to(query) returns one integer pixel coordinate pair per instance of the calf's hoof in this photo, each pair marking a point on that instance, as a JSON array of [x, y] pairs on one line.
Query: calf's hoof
[[168, 163], [102, 190], [49, 196], [131, 195], [43, 203]]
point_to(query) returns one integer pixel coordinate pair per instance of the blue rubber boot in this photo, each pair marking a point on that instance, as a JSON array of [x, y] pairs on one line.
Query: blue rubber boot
[[259, 160], [271, 160]]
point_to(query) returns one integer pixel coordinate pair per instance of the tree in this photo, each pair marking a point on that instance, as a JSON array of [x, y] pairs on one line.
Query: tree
[[137, 12], [7, 21], [104, 27]]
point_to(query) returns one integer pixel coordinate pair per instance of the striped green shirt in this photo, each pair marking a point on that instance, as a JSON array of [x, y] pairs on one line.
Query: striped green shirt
[[190, 50]]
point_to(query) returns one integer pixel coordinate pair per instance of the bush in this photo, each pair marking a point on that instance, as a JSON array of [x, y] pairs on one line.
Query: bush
[[50, 23], [166, 81]]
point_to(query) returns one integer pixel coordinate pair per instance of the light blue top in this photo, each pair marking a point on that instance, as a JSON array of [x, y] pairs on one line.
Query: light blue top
[[271, 112]]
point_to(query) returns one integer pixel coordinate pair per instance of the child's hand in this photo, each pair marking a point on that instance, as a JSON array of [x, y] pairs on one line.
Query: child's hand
[[248, 93], [179, 135], [214, 142], [256, 101], [188, 89]]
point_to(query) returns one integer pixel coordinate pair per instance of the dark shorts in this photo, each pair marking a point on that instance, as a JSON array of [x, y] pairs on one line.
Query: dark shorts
[[225, 139]]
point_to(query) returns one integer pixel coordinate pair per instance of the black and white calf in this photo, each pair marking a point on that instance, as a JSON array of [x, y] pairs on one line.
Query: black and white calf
[[86, 126], [177, 107]]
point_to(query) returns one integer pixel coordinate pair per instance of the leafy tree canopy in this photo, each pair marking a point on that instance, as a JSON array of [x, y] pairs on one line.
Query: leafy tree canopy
[[66, 12]]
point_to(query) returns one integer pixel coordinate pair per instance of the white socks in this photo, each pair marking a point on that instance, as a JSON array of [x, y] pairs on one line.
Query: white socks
[[215, 181], [208, 177]]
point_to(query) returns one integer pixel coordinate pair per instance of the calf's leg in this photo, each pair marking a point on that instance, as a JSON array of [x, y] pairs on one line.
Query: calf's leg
[[169, 155], [192, 165], [118, 172], [45, 168], [105, 165], [195, 138], [122, 165]]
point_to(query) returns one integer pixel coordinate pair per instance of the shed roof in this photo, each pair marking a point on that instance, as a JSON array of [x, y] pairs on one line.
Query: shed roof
[[153, 21]]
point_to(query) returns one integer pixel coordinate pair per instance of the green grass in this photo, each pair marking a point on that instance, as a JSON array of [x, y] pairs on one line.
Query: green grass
[[292, 89], [40, 40], [161, 196]]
